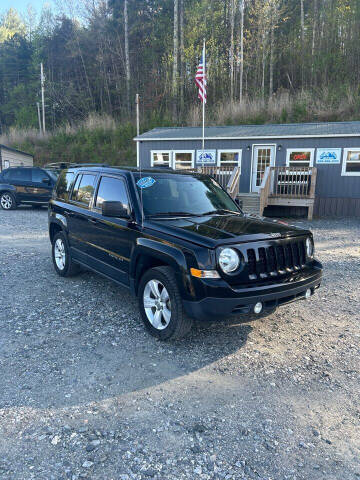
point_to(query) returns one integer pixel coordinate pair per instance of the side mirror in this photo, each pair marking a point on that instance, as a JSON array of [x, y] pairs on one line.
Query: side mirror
[[114, 209], [45, 180]]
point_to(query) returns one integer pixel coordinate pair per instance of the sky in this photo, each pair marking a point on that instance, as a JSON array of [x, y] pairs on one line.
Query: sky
[[21, 5]]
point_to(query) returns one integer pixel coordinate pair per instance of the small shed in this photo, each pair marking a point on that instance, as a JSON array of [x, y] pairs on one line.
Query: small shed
[[10, 157], [318, 162]]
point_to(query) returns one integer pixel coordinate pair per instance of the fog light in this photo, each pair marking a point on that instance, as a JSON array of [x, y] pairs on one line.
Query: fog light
[[308, 293], [258, 307]]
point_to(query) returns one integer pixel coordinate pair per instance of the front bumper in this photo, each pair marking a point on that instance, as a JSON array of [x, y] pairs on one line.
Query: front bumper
[[242, 300]]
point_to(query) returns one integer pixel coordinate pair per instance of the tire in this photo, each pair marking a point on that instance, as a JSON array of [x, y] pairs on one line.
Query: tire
[[63, 264], [156, 318], [7, 201]]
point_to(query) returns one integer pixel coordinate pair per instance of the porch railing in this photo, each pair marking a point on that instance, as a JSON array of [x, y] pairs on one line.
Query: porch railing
[[227, 176], [294, 185], [293, 182]]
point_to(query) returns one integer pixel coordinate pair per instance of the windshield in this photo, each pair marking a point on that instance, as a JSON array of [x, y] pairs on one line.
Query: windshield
[[52, 174], [183, 195]]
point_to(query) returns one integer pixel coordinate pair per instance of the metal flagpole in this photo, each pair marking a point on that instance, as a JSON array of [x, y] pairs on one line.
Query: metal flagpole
[[204, 97]]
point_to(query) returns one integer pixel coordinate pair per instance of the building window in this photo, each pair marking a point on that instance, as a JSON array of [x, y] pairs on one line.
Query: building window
[[300, 157], [160, 158], [183, 159], [351, 162], [229, 158]]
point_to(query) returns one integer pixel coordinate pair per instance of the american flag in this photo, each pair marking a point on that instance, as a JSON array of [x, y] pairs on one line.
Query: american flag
[[200, 78]]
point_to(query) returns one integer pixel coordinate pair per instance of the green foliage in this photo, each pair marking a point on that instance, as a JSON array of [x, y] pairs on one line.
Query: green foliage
[[10, 25], [113, 146], [293, 71]]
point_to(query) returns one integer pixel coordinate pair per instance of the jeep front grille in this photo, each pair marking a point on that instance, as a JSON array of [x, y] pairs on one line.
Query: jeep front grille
[[264, 262]]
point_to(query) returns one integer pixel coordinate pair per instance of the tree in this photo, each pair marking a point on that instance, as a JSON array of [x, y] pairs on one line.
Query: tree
[[241, 80], [176, 57], [10, 25]]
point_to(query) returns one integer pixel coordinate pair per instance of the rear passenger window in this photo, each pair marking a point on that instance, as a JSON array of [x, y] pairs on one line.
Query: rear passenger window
[[64, 185], [112, 189], [20, 174], [84, 189]]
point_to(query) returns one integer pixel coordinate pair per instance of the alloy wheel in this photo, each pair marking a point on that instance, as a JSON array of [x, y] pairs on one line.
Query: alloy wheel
[[59, 254], [157, 304], [6, 201]]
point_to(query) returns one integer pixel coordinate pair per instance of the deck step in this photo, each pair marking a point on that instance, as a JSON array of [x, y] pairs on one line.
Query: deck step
[[250, 202]]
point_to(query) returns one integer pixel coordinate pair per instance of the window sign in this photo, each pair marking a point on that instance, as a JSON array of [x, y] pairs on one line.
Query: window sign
[[328, 155], [206, 157], [300, 157]]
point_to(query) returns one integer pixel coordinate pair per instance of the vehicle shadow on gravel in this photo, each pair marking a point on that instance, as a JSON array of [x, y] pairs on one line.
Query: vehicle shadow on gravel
[[90, 345]]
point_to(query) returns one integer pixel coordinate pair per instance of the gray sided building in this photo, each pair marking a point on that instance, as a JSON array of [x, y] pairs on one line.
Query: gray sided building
[[333, 148], [10, 157]]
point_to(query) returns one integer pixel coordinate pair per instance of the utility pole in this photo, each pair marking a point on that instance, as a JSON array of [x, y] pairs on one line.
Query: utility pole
[[137, 101], [39, 118], [42, 79]]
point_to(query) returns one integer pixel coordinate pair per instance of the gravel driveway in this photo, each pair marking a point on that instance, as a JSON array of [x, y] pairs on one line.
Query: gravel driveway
[[86, 393]]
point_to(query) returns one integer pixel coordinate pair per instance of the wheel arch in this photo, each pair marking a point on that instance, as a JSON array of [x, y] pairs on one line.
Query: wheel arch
[[4, 187], [151, 253], [54, 228]]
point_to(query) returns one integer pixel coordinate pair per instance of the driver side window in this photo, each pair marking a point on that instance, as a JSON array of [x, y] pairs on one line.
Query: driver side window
[[112, 189]]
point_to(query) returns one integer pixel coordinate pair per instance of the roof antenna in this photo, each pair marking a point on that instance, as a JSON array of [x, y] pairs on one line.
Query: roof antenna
[[137, 101]]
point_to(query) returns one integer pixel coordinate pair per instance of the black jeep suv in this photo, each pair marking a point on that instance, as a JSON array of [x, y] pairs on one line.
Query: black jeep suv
[[28, 185], [180, 243]]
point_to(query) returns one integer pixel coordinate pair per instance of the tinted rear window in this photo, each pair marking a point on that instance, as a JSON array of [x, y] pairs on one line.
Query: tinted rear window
[[19, 174], [84, 190], [63, 185]]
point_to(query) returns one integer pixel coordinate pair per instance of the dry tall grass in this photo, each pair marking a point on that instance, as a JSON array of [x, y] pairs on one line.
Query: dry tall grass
[[93, 122], [282, 107]]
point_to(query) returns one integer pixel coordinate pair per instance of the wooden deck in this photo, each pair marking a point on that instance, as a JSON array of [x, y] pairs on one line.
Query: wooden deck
[[286, 186], [289, 186]]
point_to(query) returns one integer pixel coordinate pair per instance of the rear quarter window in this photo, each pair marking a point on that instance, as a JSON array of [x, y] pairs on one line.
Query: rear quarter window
[[63, 185]]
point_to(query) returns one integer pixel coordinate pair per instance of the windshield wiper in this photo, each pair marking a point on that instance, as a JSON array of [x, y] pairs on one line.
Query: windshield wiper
[[220, 211], [172, 214]]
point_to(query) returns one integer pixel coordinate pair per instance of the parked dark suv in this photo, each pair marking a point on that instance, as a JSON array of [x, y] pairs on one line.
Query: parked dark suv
[[180, 243], [26, 185]]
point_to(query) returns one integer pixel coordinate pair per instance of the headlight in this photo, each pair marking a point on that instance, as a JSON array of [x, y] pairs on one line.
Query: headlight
[[229, 260], [309, 247]]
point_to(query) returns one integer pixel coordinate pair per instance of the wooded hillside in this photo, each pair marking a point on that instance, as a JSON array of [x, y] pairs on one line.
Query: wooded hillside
[[268, 60]]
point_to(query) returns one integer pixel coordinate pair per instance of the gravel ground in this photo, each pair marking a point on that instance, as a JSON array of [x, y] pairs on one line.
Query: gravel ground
[[86, 393]]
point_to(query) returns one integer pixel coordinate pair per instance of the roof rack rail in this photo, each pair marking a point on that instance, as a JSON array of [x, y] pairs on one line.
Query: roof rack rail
[[64, 165], [89, 165]]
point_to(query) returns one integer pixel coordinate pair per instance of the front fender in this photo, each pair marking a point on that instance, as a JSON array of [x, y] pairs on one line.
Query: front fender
[[163, 251], [166, 253]]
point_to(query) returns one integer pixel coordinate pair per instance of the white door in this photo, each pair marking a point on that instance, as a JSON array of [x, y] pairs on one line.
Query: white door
[[264, 156]]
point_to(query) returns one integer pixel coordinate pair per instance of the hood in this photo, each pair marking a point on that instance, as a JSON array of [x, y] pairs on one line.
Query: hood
[[214, 230]]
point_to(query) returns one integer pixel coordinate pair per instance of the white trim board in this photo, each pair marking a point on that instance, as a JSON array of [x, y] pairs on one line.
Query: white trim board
[[252, 159], [344, 173], [263, 137], [289, 151], [229, 150]]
